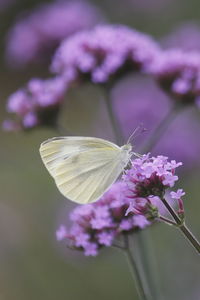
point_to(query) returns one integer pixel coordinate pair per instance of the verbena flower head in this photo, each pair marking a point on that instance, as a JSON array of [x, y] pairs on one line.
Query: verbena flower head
[[104, 52], [98, 224], [147, 181], [35, 37], [178, 73], [134, 99], [37, 104]]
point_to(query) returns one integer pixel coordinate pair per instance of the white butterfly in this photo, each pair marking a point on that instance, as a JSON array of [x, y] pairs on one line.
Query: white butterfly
[[84, 167]]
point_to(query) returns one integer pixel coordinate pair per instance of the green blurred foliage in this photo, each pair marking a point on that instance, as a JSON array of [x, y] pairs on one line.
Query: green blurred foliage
[[32, 264]]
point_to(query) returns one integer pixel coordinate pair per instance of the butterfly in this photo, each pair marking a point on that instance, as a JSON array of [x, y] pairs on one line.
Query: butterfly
[[84, 167]]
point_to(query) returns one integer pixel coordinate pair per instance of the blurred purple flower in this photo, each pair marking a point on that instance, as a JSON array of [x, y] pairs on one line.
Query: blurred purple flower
[[105, 52], [178, 73], [139, 101], [61, 233], [37, 104], [36, 35], [186, 36], [149, 177], [109, 214], [9, 125]]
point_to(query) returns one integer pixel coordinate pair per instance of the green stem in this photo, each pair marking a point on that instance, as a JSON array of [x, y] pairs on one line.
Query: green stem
[[161, 128], [181, 225], [171, 211], [166, 220], [190, 237], [140, 286]]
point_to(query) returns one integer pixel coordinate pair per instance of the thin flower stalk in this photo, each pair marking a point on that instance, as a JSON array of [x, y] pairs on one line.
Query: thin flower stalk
[[141, 287], [182, 226]]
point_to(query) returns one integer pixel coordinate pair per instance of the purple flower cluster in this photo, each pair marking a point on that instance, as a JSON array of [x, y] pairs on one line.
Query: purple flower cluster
[[178, 73], [104, 52], [98, 224], [147, 181], [37, 104], [36, 36], [129, 205]]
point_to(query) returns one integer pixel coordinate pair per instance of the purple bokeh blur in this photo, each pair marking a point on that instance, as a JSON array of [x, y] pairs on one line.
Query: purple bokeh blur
[[185, 36], [35, 35], [5, 4], [139, 101]]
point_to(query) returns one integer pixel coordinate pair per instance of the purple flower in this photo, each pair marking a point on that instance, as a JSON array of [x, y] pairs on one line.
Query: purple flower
[[91, 249], [98, 224], [37, 104], [134, 101], [141, 221], [36, 36], [178, 73], [82, 239], [9, 125], [145, 188], [104, 52], [177, 195], [106, 238], [61, 233], [17, 103], [30, 120]]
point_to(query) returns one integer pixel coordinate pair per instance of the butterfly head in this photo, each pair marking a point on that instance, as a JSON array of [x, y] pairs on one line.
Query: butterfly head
[[126, 153], [127, 148]]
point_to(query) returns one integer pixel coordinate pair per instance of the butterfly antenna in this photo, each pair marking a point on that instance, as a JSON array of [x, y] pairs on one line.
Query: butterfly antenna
[[136, 132]]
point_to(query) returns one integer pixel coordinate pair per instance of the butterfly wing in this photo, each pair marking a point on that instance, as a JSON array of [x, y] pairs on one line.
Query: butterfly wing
[[83, 168]]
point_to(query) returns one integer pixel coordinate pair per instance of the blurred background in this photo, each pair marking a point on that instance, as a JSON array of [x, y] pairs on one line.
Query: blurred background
[[33, 264]]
